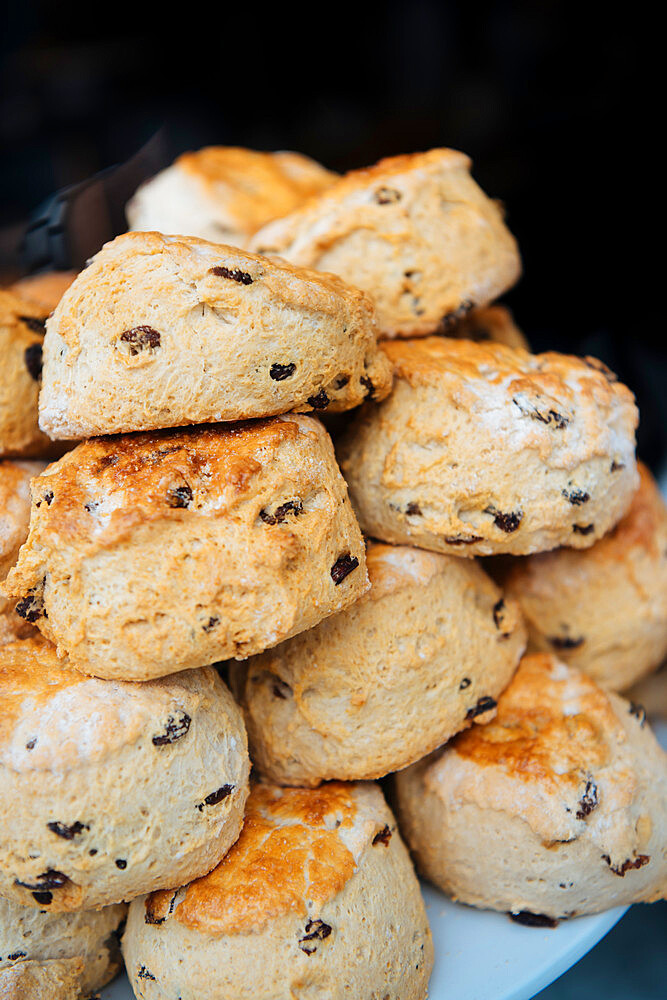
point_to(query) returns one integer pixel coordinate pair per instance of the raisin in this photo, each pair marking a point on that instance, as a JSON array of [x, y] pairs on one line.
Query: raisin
[[47, 499], [121, 863], [33, 361], [180, 496], [320, 401], [566, 642], [31, 744], [368, 386], [450, 319], [506, 522], [177, 727], [576, 496], [141, 338], [49, 879], [234, 274], [68, 832], [15, 955], [387, 196], [34, 324], [588, 801], [638, 711], [281, 690], [43, 897], [341, 381], [383, 836], [600, 366], [546, 415], [280, 372], [583, 529], [92, 506], [628, 865], [462, 539], [499, 617], [316, 930], [280, 513], [143, 973], [217, 796], [31, 607], [483, 705], [616, 466], [343, 567], [413, 509], [465, 683], [211, 623], [529, 919]]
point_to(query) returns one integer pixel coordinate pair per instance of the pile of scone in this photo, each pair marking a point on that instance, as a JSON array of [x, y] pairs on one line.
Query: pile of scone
[[202, 583]]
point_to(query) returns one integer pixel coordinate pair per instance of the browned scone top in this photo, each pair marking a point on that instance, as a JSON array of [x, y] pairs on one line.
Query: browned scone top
[[483, 449], [157, 552], [604, 609], [14, 520], [415, 231], [21, 339], [164, 331], [225, 193], [44, 291]]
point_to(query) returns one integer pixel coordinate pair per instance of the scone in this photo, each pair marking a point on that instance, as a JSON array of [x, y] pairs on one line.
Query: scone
[[163, 331], [415, 232], [424, 654], [14, 519], [490, 323], [36, 937], [482, 450], [556, 808], [650, 694], [317, 899], [603, 610], [44, 290], [223, 193], [152, 553], [21, 340], [54, 979], [109, 789]]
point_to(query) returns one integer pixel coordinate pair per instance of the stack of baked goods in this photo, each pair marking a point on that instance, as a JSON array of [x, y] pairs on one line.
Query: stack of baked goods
[[202, 584]]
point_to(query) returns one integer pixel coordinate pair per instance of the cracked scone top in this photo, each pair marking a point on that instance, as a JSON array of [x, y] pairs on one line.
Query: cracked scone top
[[414, 231], [603, 610], [14, 519], [483, 449], [557, 807], [163, 331], [225, 193], [157, 552], [21, 340], [317, 897], [422, 655], [151, 780]]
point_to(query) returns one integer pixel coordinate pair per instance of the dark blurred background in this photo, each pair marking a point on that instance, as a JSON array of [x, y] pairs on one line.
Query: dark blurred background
[[553, 101]]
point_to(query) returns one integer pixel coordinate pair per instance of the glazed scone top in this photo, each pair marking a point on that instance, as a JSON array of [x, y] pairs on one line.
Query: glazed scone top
[[557, 755], [297, 850], [54, 718], [103, 489]]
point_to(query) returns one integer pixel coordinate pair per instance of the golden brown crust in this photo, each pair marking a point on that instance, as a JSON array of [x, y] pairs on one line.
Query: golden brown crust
[[21, 338], [44, 291]]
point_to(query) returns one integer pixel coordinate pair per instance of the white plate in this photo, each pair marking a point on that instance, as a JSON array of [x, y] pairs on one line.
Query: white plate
[[486, 956]]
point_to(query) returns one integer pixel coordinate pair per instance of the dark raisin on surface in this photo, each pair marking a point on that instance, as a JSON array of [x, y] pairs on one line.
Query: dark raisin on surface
[[280, 513], [506, 522], [462, 539], [43, 897], [316, 930], [141, 338], [47, 499], [180, 496], [529, 919], [383, 836], [576, 496], [143, 973], [281, 690], [483, 705], [177, 727], [234, 274], [628, 865], [638, 711], [280, 372], [616, 466], [31, 607], [68, 832], [33, 361], [15, 955], [387, 196], [34, 324], [583, 529], [588, 801], [451, 319], [211, 623], [413, 509], [368, 386], [465, 683], [50, 879], [320, 401], [341, 381], [217, 796], [566, 642], [499, 609], [600, 366], [343, 567], [92, 506], [31, 744], [546, 415], [121, 863]]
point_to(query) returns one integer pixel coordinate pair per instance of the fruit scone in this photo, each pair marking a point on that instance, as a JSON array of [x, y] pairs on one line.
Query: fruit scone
[[317, 899], [44, 290], [424, 654], [415, 232], [557, 807], [21, 340], [152, 553], [482, 449], [37, 946], [110, 789], [162, 331], [14, 520], [225, 193], [603, 609]]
